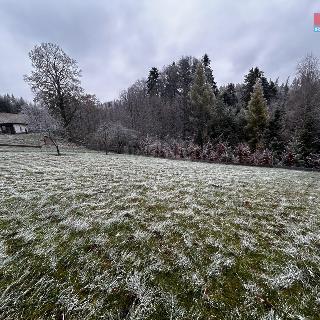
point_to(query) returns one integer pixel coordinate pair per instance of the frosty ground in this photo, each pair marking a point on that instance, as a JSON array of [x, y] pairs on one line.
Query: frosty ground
[[94, 236]]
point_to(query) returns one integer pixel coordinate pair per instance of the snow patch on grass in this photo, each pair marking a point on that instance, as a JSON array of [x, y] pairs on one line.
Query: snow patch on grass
[[94, 236]]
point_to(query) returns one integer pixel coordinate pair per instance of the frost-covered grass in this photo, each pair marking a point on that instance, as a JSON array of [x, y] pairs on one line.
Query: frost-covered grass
[[90, 236], [36, 139]]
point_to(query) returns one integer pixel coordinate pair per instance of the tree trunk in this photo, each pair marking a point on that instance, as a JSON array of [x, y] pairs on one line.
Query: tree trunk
[[58, 151]]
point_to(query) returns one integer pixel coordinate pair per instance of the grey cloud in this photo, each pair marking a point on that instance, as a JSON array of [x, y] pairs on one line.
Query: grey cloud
[[116, 42]]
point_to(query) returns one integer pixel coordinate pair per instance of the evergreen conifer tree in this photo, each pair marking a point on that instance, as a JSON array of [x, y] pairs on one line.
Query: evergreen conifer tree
[[249, 82], [274, 132], [184, 84], [171, 81], [152, 82], [229, 95], [209, 75], [257, 115], [202, 98]]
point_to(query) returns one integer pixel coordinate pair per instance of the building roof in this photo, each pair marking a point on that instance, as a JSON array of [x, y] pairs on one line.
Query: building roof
[[6, 118]]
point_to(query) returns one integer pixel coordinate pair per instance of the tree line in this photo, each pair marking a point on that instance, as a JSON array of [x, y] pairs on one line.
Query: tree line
[[181, 112], [259, 121], [11, 104]]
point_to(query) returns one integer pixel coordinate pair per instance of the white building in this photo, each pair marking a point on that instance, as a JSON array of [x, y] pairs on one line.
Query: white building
[[11, 123]]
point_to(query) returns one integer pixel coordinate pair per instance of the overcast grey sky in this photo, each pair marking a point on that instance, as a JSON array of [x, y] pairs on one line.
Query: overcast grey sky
[[117, 42]]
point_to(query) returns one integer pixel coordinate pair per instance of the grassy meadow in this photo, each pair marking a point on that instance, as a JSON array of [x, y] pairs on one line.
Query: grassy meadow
[[94, 236]]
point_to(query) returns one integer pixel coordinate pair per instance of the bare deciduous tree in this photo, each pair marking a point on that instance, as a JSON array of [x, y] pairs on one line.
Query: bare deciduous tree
[[55, 81], [39, 119]]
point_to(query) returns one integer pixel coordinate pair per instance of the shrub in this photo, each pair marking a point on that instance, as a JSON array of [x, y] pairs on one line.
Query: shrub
[[243, 154]]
